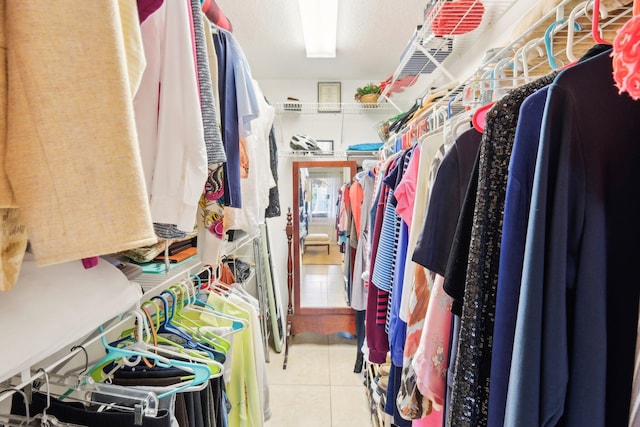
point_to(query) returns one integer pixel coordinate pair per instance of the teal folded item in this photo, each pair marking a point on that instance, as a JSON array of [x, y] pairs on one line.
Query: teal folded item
[[365, 146], [159, 267]]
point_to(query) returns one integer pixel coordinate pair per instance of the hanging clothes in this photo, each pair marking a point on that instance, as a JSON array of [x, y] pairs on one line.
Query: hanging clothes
[[258, 179], [430, 359], [469, 399], [38, 148], [579, 255], [359, 286], [377, 299], [429, 146], [238, 106], [174, 173], [243, 387], [514, 233], [273, 210]]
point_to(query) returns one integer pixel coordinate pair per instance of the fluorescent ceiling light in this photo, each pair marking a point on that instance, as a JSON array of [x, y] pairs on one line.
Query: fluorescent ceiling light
[[319, 23]]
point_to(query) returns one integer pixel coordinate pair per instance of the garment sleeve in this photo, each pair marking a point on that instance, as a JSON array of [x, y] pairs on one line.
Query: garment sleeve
[[248, 108]]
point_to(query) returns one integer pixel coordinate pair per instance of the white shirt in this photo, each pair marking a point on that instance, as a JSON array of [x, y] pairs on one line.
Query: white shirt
[[169, 119]]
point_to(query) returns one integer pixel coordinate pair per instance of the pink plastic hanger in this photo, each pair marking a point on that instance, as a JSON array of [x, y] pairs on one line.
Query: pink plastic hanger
[[595, 25]]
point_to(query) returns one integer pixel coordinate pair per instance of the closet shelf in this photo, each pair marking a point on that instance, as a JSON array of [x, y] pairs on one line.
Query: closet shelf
[[229, 247], [153, 284], [53, 306], [522, 58], [448, 31], [334, 108]]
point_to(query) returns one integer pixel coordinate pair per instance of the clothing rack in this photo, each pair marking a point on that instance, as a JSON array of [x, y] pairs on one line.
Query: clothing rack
[[27, 378], [20, 377]]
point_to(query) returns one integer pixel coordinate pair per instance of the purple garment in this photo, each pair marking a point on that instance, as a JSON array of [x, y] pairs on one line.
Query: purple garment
[[147, 7], [90, 262]]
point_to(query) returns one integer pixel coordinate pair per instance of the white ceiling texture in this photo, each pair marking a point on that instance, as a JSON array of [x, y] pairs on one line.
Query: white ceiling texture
[[372, 35]]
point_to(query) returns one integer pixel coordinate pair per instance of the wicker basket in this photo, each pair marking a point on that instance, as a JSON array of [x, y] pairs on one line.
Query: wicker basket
[[370, 98]]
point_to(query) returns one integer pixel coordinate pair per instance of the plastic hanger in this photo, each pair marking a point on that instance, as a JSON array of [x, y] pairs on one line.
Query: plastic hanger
[[453, 99], [146, 401], [548, 42], [176, 350], [479, 118], [221, 288], [41, 420], [498, 68], [192, 319], [570, 29], [17, 420], [521, 55], [191, 327], [203, 307], [168, 327], [102, 393], [200, 372], [598, 10], [461, 121]]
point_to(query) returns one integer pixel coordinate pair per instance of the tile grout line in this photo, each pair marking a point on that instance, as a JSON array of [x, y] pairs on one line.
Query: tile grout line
[[330, 380]]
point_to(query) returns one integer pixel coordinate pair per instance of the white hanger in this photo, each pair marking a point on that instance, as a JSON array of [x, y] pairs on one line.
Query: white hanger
[[522, 58], [580, 8]]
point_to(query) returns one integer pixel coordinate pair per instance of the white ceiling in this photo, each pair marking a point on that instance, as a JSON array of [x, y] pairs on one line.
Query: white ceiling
[[372, 35]]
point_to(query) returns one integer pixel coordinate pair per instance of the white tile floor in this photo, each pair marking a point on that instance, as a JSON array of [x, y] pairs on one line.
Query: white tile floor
[[319, 387], [322, 286]]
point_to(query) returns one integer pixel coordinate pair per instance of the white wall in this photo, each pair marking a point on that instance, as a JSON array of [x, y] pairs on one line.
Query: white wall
[[344, 128]]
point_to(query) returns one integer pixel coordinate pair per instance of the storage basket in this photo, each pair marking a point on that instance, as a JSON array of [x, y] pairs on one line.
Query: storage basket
[[370, 98]]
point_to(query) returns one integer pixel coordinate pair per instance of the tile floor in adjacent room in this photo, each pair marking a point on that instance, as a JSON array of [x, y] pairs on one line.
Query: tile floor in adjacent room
[[322, 286], [319, 387]]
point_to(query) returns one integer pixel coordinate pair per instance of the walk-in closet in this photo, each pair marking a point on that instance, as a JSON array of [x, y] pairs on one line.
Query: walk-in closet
[[320, 213]]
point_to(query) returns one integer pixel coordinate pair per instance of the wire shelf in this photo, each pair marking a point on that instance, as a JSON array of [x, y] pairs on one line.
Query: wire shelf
[[335, 108], [449, 29]]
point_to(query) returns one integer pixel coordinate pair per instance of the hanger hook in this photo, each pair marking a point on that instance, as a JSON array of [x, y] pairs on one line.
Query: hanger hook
[[497, 69], [165, 306], [599, 12], [522, 54], [548, 42], [86, 357], [582, 7], [209, 269], [157, 307], [46, 379], [196, 277], [24, 399], [180, 294]]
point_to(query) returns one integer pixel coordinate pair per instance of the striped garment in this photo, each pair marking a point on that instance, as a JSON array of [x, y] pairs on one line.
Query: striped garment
[[212, 136]]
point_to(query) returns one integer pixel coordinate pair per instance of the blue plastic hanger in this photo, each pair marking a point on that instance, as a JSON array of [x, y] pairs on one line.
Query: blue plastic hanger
[[236, 324], [192, 327], [201, 373], [167, 327], [548, 44]]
